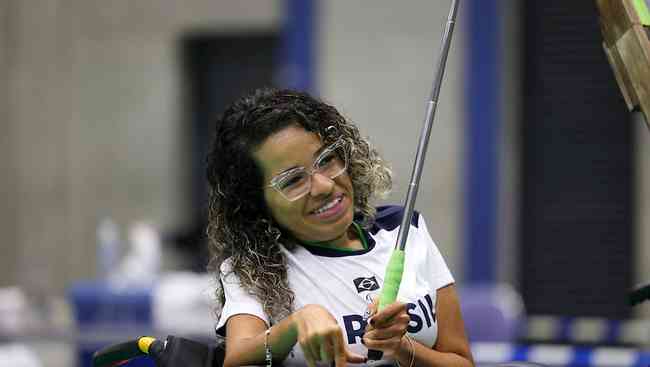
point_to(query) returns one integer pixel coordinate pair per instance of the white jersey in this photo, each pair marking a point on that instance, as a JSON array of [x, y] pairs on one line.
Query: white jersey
[[344, 282]]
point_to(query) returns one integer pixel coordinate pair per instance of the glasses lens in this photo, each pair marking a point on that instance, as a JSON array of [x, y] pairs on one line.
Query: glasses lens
[[332, 162], [294, 185]]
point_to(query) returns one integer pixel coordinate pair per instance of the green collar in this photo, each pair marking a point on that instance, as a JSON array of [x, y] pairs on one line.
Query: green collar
[[324, 244]]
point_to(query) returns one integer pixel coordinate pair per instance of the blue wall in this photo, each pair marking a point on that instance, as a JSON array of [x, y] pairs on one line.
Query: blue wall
[[481, 133]]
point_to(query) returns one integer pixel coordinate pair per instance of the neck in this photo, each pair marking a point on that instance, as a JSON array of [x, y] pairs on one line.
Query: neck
[[347, 240]]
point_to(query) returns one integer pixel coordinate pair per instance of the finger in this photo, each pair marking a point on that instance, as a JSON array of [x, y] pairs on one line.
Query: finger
[[355, 358], [395, 330], [374, 306], [400, 321], [390, 311], [386, 346], [326, 350], [340, 356], [315, 344], [369, 326], [378, 344], [387, 315], [309, 354]]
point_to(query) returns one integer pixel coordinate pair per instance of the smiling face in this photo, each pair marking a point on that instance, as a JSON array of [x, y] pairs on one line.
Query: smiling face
[[325, 213]]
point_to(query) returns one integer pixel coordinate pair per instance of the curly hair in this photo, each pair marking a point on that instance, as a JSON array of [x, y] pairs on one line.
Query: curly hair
[[240, 228]]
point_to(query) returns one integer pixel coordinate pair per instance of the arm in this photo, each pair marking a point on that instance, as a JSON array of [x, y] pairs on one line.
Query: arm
[[451, 348], [312, 326], [245, 341]]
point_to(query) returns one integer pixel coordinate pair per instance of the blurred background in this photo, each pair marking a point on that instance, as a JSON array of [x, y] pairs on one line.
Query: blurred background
[[536, 187]]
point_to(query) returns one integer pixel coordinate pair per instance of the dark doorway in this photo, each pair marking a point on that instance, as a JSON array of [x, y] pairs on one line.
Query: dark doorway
[[217, 69], [577, 207]]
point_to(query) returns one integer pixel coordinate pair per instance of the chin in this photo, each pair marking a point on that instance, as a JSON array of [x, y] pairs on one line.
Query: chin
[[335, 230]]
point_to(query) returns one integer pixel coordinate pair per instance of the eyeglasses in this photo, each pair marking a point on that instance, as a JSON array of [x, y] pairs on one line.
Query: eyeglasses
[[296, 183]]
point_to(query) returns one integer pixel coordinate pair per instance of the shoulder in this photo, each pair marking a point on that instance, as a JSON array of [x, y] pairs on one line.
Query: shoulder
[[389, 217], [226, 266], [227, 272]]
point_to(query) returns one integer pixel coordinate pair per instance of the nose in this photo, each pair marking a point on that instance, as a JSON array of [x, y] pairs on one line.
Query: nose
[[321, 184]]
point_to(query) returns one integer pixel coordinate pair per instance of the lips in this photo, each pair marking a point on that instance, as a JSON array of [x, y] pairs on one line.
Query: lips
[[329, 208]]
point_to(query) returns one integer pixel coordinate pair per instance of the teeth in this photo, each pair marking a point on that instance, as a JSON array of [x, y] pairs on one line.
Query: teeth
[[328, 205]]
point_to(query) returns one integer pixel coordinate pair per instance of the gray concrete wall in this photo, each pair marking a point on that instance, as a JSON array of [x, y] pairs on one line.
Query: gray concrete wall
[[92, 123], [90, 119], [376, 64], [8, 188]]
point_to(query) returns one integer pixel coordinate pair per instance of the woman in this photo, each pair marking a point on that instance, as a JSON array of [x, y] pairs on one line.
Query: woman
[[300, 252]]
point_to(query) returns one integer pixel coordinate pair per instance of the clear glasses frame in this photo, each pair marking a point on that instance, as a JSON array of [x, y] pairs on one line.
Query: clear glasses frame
[[296, 183]]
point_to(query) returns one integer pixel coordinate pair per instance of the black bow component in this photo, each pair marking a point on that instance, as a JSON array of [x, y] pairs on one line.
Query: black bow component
[[639, 295], [173, 352]]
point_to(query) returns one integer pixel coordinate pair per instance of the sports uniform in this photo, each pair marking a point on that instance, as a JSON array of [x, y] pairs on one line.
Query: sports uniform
[[344, 282]]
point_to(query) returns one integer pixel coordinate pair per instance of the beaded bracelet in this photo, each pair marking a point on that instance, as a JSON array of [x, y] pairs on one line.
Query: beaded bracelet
[[267, 348], [412, 352]]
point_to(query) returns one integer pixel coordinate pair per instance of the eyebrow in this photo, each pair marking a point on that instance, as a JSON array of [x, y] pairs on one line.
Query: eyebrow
[[317, 153]]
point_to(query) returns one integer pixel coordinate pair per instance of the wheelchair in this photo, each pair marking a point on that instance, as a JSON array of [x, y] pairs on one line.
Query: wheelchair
[[181, 352]]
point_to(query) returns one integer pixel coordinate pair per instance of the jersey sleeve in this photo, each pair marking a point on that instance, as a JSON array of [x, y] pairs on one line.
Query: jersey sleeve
[[237, 300], [440, 274]]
